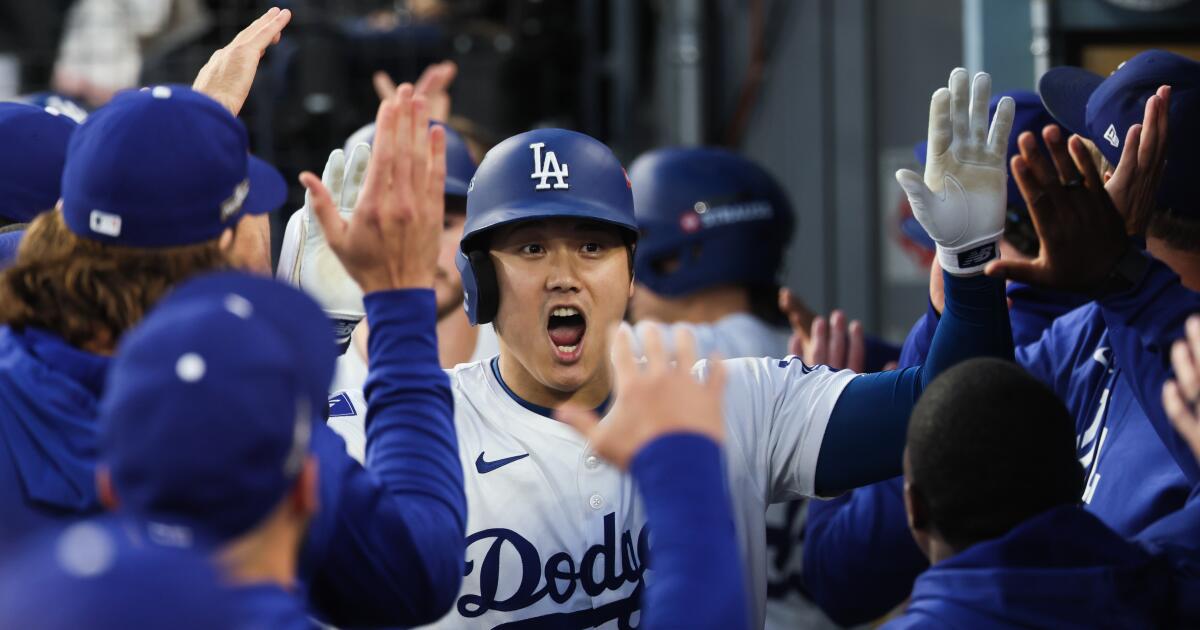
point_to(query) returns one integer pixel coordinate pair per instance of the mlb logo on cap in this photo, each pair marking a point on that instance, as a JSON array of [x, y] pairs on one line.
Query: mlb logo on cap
[[163, 167]]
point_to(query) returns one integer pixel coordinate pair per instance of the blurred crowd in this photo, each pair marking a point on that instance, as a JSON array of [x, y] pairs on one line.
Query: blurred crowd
[[469, 377]]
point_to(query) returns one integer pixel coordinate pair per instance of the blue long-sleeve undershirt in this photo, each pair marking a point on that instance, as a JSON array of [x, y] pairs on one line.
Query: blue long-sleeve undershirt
[[865, 437], [699, 581], [387, 544]]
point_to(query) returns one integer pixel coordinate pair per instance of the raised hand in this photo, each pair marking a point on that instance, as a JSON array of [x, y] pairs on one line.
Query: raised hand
[[1181, 397], [229, 73], [317, 269], [657, 397], [800, 318], [391, 238], [433, 84], [961, 199], [1134, 184], [1082, 234], [836, 343]]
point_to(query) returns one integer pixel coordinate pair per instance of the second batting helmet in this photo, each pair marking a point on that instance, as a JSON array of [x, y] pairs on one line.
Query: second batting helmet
[[540, 174], [707, 217]]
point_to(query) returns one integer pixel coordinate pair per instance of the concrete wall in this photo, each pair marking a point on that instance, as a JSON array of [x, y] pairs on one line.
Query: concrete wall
[[847, 90]]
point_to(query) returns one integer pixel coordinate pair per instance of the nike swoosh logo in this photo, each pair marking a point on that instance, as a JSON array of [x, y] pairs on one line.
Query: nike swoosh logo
[[486, 467]]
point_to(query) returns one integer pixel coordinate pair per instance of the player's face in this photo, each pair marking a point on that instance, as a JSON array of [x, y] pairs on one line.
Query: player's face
[[448, 283], [563, 283]]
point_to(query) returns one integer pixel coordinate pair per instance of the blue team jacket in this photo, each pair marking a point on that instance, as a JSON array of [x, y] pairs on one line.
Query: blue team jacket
[[1061, 569], [386, 545], [48, 396], [1139, 469]]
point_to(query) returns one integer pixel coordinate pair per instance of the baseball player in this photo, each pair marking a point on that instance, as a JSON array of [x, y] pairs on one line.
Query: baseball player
[[34, 148], [556, 536], [131, 224], [1008, 542], [230, 337], [1104, 359], [860, 558], [714, 227], [137, 217]]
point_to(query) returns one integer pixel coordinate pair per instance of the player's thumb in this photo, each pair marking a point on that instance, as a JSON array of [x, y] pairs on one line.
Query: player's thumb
[[920, 198], [579, 418], [1016, 270]]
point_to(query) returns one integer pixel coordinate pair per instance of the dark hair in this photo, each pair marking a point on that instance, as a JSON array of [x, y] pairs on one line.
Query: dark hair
[[83, 290], [1178, 232], [988, 448]]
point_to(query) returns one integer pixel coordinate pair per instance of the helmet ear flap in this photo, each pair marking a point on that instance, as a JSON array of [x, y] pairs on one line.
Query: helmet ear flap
[[487, 292]]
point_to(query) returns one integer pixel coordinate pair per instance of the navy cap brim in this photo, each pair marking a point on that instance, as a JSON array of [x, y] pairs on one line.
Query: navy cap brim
[[1065, 92], [268, 190]]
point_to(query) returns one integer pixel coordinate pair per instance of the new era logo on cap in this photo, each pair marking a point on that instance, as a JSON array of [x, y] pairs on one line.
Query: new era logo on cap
[[1110, 135], [105, 223]]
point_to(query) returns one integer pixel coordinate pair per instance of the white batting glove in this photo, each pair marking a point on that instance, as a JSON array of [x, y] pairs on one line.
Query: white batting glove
[[961, 200], [305, 259]]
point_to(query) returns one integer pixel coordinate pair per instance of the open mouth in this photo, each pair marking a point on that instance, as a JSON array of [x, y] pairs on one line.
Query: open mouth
[[566, 327]]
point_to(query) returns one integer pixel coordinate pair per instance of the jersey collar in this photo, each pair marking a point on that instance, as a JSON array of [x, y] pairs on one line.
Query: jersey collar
[[538, 409]]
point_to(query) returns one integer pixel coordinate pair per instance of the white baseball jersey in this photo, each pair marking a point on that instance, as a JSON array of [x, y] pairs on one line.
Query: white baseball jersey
[[744, 335], [555, 535]]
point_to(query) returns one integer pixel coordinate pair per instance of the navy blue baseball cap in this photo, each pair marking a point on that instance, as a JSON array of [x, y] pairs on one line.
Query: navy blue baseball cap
[[162, 167], [1102, 109], [460, 167], [91, 575], [208, 409], [33, 149]]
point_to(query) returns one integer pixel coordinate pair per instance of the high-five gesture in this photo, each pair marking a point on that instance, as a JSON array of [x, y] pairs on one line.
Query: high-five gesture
[[391, 239], [1082, 234], [230, 71], [433, 84], [961, 200], [655, 398], [1134, 184]]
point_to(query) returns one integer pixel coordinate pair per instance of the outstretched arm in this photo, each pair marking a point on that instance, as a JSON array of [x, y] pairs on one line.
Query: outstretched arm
[[960, 202], [388, 544]]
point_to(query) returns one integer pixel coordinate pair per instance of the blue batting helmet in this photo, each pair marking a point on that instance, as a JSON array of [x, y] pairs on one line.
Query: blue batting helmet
[[720, 216], [460, 167], [539, 174]]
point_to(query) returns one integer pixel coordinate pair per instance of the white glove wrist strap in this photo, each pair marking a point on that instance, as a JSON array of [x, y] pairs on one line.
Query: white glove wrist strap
[[970, 259]]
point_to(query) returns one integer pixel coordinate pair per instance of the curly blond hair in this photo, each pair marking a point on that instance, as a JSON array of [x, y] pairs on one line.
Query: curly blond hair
[[88, 292]]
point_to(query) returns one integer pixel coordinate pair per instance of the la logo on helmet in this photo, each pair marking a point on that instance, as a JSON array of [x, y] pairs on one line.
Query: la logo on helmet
[[546, 168]]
